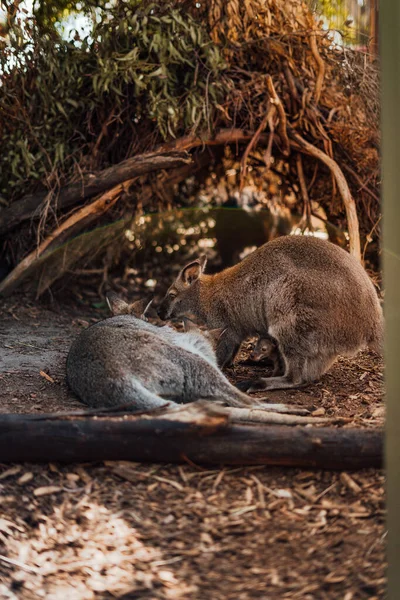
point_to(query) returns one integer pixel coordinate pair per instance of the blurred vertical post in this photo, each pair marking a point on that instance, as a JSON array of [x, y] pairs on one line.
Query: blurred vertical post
[[390, 57], [374, 28]]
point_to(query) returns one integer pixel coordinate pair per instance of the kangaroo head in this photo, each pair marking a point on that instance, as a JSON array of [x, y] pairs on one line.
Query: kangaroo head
[[181, 297], [262, 349], [120, 307]]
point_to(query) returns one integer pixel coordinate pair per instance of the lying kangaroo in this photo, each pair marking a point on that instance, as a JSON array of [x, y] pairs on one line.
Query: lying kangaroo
[[311, 296], [266, 347], [126, 360]]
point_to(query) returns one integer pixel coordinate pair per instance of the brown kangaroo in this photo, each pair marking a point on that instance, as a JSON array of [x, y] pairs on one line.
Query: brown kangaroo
[[311, 296]]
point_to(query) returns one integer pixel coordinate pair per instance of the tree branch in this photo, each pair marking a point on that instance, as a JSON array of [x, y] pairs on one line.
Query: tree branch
[[320, 65], [167, 156], [253, 142], [348, 201], [29, 206], [306, 217], [96, 208], [282, 125]]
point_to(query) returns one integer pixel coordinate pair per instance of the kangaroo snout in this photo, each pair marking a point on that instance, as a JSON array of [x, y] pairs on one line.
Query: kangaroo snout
[[163, 311]]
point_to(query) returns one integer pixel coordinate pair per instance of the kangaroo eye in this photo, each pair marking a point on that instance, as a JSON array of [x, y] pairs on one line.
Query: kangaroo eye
[[172, 295]]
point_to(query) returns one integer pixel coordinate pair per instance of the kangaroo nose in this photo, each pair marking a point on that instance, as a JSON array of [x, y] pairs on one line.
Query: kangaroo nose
[[161, 313]]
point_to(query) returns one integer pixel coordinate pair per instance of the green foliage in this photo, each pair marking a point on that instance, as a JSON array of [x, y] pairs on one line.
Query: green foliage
[[144, 72], [47, 14], [336, 14], [332, 10]]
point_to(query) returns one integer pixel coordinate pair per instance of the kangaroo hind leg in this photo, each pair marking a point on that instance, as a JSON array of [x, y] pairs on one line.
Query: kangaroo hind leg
[[141, 399], [299, 372], [228, 347]]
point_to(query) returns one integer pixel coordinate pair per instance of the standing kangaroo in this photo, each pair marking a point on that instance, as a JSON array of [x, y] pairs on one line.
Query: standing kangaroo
[[309, 295], [126, 360]]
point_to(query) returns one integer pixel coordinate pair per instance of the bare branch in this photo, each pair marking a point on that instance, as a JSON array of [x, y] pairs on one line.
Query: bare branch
[[348, 201], [282, 125]]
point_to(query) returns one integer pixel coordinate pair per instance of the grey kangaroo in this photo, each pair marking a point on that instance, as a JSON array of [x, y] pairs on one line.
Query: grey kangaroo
[[126, 360], [312, 297]]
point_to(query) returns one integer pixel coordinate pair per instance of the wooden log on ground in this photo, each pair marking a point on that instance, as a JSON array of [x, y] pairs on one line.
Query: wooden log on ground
[[193, 434], [29, 206]]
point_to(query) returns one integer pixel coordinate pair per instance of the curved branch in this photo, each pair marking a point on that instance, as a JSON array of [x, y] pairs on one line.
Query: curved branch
[[166, 156], [252, 143], [320, 64], [97, 208], [306, 217], [282, 125], [224, 136], [29, 206], [348, 201]]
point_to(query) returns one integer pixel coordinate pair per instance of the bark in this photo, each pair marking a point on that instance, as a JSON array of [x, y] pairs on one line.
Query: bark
[[196, 434]]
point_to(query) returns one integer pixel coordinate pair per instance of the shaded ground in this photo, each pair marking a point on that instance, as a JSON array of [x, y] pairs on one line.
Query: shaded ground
[[127, 530]]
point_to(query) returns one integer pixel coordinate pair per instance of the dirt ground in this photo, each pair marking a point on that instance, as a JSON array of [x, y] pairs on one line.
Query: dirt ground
[[127, 530]]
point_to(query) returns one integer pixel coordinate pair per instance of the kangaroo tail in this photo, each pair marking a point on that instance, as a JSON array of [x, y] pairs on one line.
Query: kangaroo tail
[[376, 340]]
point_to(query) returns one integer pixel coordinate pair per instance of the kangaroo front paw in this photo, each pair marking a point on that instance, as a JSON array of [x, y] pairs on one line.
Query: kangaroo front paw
[[251, 385], [243, 386]]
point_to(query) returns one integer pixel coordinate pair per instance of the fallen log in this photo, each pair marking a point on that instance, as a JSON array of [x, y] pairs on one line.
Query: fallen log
[[29, 206], [196, 433]]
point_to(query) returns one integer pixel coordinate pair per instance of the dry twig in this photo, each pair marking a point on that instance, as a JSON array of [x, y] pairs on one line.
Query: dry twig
[[305, 222], [282, 125], [348, 201], [321, 66]]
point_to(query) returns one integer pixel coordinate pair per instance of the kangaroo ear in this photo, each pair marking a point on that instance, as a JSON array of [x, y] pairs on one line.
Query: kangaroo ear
[[203, 262], [139, 308], [188, 325], [193, 270], [216, 334], [116, 304], [147, 309]]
